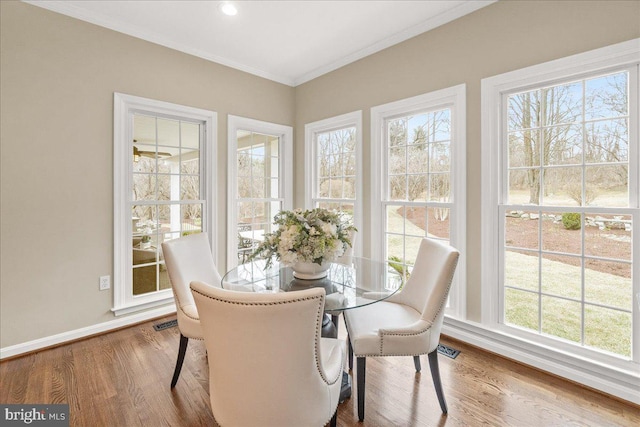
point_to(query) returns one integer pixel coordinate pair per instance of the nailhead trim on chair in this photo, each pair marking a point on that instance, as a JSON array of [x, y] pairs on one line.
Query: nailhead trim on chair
[[442, 304], [318, 324]]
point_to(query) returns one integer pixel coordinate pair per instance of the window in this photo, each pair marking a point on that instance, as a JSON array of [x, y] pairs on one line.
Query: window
[[564, 199], [419, 146], [162, 158], [260, 184], [333, 150]]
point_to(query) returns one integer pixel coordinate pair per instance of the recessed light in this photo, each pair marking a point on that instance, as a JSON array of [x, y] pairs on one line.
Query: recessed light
[[228, 8]]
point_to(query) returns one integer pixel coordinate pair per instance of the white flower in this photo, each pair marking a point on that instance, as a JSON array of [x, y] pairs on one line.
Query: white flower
[[315, 235]]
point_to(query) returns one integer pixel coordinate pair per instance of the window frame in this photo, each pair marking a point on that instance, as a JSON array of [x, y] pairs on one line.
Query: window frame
[[285, 133], [352, 119], [454, 98], [494, 89], [124, 302]]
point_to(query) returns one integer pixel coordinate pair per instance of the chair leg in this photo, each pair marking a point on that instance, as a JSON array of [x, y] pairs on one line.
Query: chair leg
[[361, 365], [334, 419], [350, 350], [435, 374], [181, 352], [416, 362]]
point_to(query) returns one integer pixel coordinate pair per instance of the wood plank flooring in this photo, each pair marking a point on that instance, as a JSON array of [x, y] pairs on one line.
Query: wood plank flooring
[[122, 379]]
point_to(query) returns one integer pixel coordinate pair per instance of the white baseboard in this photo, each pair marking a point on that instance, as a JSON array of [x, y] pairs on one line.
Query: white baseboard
[[621, 384], [40, 343]]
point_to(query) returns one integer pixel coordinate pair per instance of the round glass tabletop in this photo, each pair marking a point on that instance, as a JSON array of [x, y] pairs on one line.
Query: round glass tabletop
[[361, 282]]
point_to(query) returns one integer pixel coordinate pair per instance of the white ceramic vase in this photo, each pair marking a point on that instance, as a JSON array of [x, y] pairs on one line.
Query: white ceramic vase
[[310, 270]]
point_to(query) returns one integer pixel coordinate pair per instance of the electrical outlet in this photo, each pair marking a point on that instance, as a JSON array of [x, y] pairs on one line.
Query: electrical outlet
[[105, 283]]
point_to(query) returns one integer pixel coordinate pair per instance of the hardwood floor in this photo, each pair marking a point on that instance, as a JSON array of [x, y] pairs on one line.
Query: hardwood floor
[[122, 379]]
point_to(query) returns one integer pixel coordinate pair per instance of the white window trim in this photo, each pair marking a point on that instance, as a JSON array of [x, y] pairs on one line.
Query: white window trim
[[235, 123], [586, 367], [455, 98], [123, 300], [353, 119]]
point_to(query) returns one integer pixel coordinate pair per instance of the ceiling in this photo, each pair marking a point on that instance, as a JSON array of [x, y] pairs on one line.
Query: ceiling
[[290, 42]]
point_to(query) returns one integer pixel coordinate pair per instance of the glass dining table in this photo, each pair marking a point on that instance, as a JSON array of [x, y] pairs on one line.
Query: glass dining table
[[356, 283], [348, 285]]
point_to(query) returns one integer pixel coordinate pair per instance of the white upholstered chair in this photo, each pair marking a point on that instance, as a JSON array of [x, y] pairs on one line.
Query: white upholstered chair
[[408, 323], [187, 259], [274, 369]]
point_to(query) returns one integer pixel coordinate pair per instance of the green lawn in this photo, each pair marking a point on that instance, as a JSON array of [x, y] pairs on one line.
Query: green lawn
[[605, 328]]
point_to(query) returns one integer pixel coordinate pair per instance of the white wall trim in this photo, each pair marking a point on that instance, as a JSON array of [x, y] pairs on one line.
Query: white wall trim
[[452, 97], [285, 133], [333, 123], [123, 106], [493, 90], [621, 383], [64, 337]]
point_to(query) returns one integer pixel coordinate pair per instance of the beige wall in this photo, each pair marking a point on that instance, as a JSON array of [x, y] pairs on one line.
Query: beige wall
[[57, 80], [505, 36], [58, 77]]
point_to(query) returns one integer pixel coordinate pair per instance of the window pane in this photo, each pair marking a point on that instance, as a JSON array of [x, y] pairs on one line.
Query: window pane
[[190, 133], [164, 187], [190, 187], [562, 276], [168, 132], [395, 219], [607, 141], [415, 224], [191, 215], [440, 187], [524, 186], [418, 158], [523, 110], [607, 185], [395, 247], [438, 223], [608, 283], [562, 186], [440, 157], [561, 104], [521, 270], [144, 186], [561, 233], [563, 145], [608, 330], [521, 309], [398, 187], [524, 148], [521, 229], [417, 187], [561, 318], [144, 280], [349, 187], [190, 161], [607, 96], [608, 236], [397, 160]]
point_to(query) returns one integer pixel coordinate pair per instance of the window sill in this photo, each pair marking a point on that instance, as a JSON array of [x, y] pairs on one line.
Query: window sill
[[621, 383], [136, 307]]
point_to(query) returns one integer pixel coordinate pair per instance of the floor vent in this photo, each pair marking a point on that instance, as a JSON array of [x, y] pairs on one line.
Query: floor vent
[[165, 325], [448, 351]]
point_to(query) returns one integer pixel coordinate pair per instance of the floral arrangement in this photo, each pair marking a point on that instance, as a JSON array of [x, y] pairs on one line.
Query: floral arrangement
[[312, 236], [146, 228]]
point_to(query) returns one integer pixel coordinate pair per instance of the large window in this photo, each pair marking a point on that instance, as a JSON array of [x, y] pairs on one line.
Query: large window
[[333, 150], [419, 179], [260, 184], [162, 192], [564, 187]]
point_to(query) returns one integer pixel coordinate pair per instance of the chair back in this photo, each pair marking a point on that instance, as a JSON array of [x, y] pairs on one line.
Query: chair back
[[187, 259], [265, 362], [428, 286]]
